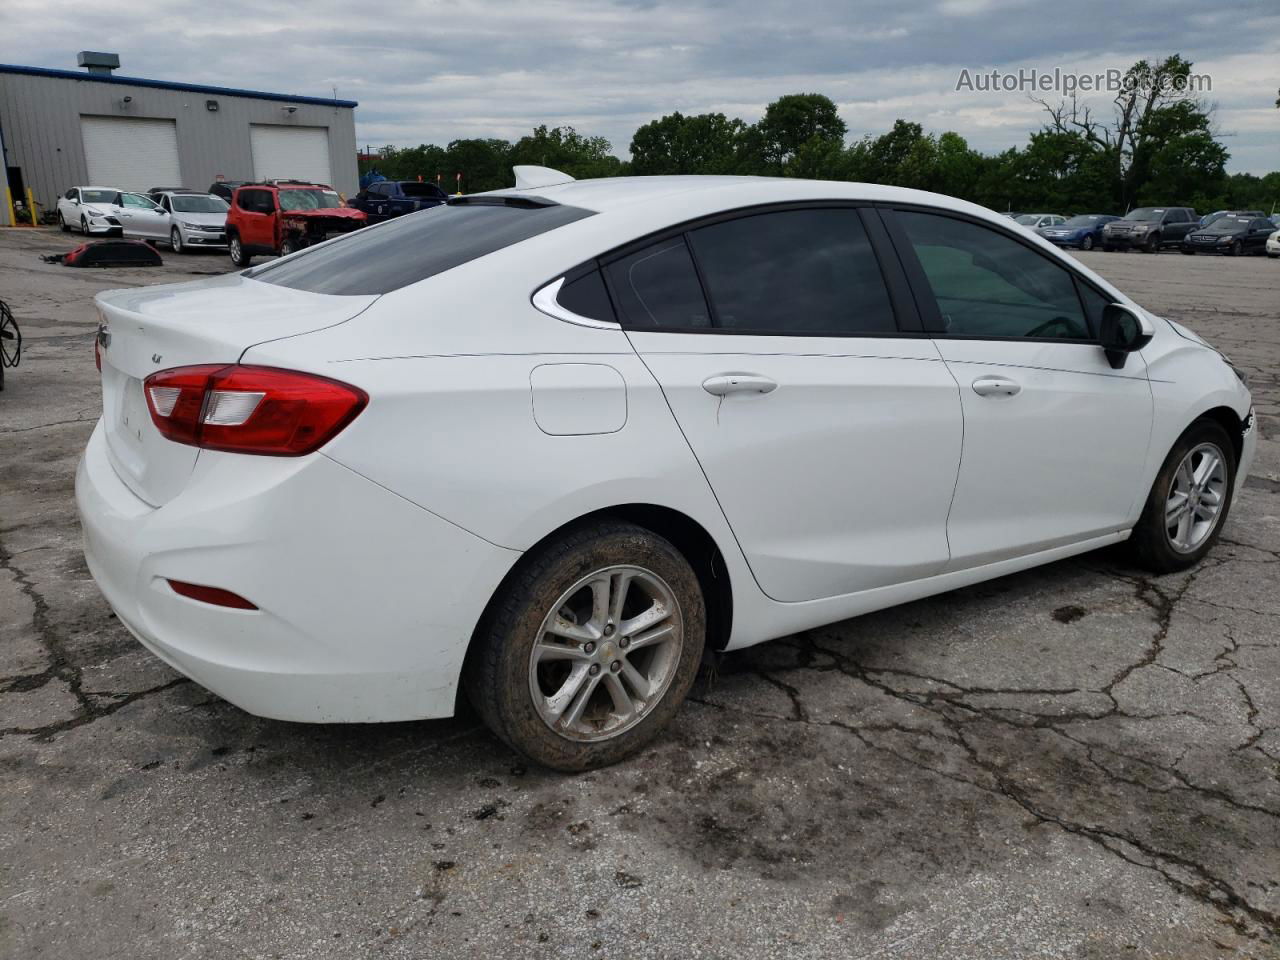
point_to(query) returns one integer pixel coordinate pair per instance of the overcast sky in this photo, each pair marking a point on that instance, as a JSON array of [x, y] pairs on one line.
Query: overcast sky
[[433, 72]]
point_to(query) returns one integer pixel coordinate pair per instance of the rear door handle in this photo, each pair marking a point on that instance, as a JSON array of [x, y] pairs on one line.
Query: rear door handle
[[727, 383], [996, 387]]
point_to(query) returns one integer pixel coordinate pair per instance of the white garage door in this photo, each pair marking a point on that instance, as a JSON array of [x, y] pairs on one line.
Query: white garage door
[[290, 153], [131, 154]]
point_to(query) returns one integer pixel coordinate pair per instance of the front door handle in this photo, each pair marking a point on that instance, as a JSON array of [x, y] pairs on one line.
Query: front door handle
[[996, 387], [727, 383]]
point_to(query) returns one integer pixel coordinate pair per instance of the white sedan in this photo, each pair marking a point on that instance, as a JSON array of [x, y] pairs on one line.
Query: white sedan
[[90, 210], [549, 444], [1273, 245]]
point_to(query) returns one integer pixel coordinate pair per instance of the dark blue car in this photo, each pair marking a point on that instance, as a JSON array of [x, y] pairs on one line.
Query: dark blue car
[[393, 198], [1083, 230]]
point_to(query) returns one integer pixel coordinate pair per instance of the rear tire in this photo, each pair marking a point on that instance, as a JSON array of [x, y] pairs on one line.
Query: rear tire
[[238, 256], [553, 668], [1087, 243], [1155, 540]]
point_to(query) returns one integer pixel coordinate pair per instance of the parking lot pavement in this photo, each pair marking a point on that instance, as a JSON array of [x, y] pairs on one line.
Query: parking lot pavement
[[1078, 761]]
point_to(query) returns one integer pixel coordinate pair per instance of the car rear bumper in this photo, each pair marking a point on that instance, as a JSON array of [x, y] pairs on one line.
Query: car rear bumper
[[366, 601]]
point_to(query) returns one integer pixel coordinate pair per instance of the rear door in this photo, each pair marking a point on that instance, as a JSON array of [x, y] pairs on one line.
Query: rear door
[[827, 426], [1054, 438]]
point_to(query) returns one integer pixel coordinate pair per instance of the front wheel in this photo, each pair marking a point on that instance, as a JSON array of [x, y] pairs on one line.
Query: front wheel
[[175, 241], [1236, 249], [287, 246], [1087, 243], [1152, 245], [84, 225], [236, 249], [590, 648], [1189, 501]]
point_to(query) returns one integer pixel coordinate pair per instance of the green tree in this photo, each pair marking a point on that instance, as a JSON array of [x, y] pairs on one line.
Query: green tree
[[706, 143], [792, 123]]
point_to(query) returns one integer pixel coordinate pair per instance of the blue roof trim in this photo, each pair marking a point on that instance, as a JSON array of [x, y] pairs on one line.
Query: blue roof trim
[[169, 85]]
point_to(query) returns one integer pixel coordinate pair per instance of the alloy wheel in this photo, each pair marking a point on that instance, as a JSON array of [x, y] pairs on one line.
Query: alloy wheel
[[1196, 497], [606, 653], [175, 240]]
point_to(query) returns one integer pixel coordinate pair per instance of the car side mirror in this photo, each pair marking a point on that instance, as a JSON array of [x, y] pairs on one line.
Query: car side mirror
[[1124, 330]]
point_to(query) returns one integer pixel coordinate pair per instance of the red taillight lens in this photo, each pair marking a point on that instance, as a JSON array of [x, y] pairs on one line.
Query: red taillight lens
[[244, 409], [97, 353], [215, 595]]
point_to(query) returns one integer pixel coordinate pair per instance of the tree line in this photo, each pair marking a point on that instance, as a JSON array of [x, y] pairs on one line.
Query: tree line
[[1156, 144]]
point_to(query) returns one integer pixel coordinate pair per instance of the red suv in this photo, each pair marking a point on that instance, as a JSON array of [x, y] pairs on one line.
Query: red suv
[[281, 216]]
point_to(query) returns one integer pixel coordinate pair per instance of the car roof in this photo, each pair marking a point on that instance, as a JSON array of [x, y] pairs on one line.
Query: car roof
[[727, 193]]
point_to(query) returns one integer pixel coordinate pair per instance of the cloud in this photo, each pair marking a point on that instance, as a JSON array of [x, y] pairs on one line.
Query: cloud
[[435, 71]]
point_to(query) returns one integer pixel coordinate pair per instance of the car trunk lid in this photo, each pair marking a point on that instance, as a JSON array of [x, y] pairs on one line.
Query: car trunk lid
[[150, 329]]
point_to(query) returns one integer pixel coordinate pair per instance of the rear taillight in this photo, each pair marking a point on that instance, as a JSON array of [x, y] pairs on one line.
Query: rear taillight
[[243, 409]]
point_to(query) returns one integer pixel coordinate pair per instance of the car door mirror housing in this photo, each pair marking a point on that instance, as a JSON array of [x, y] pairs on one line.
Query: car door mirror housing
[[1123, 330]]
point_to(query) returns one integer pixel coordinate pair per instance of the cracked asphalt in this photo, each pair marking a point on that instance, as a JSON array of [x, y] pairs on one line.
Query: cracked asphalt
[[1078, 761]]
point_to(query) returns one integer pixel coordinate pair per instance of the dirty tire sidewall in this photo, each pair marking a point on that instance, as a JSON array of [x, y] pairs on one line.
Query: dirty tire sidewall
[[497, 675], [1149, 542]]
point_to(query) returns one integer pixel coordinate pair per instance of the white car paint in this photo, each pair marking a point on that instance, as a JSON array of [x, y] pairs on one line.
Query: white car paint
[[90, 210], [872, 474], [1273, 244]]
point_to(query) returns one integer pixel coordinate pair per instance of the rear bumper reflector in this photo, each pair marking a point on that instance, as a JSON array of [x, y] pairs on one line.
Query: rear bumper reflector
[[214, 595]]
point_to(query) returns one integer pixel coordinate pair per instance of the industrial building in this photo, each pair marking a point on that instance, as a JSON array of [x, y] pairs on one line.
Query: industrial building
[[63, 128]]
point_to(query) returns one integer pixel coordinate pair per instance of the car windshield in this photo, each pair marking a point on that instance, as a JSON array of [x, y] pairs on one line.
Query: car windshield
[[412, 189], [1146, 213], [314, 199], [1228, 225], [97, 196], [1084, 220], [1027, 219], [199, 203]]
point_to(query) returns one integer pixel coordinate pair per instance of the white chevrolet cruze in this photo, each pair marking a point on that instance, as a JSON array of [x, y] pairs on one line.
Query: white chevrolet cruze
[[548, 444]]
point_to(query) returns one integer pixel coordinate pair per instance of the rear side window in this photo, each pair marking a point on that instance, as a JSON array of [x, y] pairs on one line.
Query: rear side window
[[794, 272], [657, 286], [429, 190], [380, 259]]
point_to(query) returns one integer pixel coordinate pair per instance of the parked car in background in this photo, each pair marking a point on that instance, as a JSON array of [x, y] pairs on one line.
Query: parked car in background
[[1211, 217], [1034, 221], [529, 447], [141, 217], [1149, 228], [1275, 218], [1231, 235], [194, 219], [225, 188], [279, 217], [89, 210], [1083, 231], [1273, 245], [393, 198]]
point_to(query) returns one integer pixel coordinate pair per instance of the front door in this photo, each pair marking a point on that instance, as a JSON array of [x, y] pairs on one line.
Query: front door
[[1054, 438], [830, 436], [141, 218]]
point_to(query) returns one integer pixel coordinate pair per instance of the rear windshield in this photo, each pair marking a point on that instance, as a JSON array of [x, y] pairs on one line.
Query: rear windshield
[[380, 259]]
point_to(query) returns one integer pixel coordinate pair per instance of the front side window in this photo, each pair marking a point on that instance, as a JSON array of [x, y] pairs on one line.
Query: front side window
[[405, 250], [990, 285], [801, 272], [137, 200]]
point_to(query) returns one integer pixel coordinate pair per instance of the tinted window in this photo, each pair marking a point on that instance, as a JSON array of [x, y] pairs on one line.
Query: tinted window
[[990, 285], [413, 247], [658, 287], [794, 271], [412, 189], [587, 297]]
